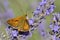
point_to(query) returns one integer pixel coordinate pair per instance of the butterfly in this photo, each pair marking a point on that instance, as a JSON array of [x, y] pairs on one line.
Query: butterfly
[[20, 23]]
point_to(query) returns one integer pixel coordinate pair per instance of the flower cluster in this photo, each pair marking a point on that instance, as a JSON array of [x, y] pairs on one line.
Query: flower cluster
[[55, 26], [45, 8]]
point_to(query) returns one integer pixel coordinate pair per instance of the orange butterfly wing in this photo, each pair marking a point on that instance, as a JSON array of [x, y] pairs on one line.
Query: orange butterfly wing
[[19, 23]]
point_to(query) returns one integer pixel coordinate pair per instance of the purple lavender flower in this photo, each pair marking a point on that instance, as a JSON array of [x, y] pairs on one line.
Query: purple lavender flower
[[44, 1], [43, 33], [36, 12], [56, 28], [14, 33], [31, 21], [54, 37], [47, 12], [54, 18], [38, 8], [51, 26], [52, 8]]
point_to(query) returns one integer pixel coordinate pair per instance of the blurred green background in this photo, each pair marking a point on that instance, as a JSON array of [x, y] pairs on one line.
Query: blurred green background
[[21, 7]]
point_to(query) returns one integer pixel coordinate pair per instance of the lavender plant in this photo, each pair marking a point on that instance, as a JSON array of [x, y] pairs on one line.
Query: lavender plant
[[44, 8], [55, 27]]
